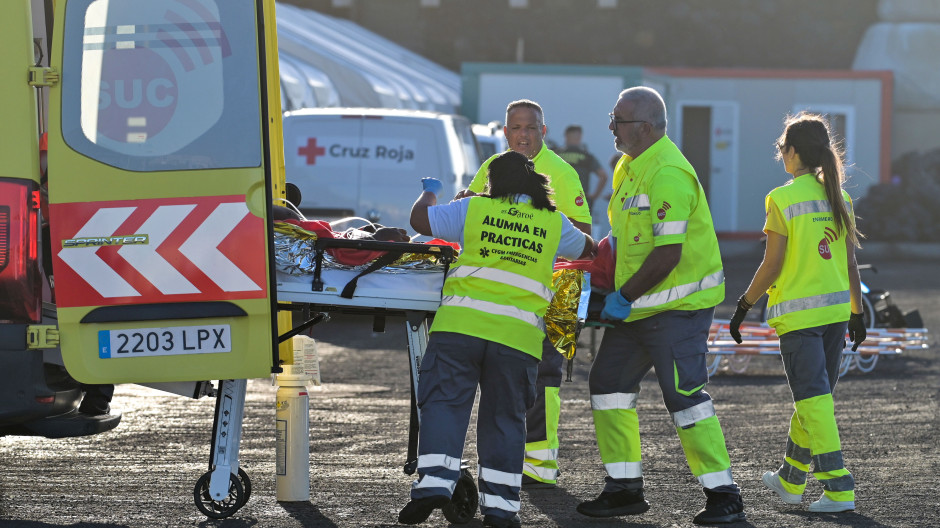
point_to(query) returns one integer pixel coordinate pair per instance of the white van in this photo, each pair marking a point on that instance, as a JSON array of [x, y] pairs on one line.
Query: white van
[[368, 162], [491, 139]]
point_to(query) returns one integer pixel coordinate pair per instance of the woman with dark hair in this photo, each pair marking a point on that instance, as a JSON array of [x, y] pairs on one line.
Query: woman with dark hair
[[488, 332], [513, 176], [811, 277]]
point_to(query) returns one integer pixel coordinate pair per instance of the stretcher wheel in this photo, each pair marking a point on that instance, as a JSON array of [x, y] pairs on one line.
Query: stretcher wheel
[[739, 364], [246, 485], [465, 501], [712, 362], [866, 364], [846, 365], [223, 508]]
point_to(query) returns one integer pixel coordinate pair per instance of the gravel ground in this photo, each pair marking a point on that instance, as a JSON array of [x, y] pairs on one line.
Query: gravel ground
[[142, 473]]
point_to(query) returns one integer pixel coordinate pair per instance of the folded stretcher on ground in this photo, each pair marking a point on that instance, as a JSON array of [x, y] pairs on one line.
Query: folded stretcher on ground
[[760, 339]]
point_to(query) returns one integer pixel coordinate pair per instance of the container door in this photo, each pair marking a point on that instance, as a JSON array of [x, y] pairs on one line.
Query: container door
[[160, 190]]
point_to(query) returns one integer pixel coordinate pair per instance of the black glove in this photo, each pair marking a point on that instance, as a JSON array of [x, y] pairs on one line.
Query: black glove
[[738, 318], [857, 332]]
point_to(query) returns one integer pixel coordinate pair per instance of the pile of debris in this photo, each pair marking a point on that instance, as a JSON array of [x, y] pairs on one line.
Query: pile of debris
[[904, 210]]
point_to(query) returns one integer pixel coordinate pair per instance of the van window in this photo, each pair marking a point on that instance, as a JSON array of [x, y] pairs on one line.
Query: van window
[[472, 156], [157, 97]]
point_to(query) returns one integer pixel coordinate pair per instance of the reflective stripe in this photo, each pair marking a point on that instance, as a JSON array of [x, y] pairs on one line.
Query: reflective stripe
[[624, 469], [843, 483], [428, 481], [543, 454], [828, 462], [792, 474], [808, 207], [696, 413], [616, 400], [493, 308], [495, 476], [488, 500], [439, 460], [680, 291], [800, 454], [542, 473], [718, 478], [503, 277], [677, 227], [640, 201], [807, 303]]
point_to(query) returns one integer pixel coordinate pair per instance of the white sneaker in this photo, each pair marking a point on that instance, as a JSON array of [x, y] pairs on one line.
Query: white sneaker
[[825, 504], [772, 481]]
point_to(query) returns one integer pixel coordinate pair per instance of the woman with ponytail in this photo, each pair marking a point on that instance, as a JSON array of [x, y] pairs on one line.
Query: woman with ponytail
[[811, 277]]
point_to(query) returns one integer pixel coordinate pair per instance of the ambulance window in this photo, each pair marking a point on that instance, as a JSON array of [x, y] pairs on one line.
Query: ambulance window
[[161, 85]]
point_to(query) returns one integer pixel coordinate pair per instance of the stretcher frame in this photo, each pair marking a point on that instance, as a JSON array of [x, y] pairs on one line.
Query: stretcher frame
[[759, 339], [226, 487]]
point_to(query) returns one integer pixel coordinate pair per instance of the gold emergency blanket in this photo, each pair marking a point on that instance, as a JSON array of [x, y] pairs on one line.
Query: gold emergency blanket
[[294, 254], [561, 318]]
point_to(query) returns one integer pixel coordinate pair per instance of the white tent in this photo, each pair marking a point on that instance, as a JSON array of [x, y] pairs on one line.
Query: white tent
[[326, 61]]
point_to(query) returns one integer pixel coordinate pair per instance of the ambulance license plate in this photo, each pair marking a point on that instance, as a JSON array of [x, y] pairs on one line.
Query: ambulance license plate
[[169, 341]]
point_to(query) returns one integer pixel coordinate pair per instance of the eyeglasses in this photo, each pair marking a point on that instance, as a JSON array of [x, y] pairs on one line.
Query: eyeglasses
[[614, 121]]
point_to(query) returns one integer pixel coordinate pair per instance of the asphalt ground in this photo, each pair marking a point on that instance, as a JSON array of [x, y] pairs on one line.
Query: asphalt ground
[[142, 473]]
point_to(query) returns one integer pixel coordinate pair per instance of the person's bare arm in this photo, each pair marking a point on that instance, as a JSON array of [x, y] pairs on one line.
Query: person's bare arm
[[656, 267], [419, 213], [583, 227], [590, 248], [855, 282], [769, 268]]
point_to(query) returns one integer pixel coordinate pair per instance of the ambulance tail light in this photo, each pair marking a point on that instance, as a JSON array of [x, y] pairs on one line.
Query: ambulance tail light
[[20, 278]]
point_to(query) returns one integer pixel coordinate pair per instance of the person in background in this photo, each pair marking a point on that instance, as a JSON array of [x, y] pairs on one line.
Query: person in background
[[668, 278], [576, 154], [814, 293], [525, 132], [488, 332]]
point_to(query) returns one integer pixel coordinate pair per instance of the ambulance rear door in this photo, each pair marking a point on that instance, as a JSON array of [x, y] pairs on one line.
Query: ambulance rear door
[[160, 190]]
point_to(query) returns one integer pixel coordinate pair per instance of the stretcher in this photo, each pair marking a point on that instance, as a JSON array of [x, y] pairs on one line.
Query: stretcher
[[412, 291], [759, 339], [385, 287]]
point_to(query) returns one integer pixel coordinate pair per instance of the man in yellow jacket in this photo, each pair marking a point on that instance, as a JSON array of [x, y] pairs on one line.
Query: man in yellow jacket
[[669, 278]]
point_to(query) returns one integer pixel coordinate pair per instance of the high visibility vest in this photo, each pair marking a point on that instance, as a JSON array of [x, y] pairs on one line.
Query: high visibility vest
[[501, 284], [813, 286], [698, 281]]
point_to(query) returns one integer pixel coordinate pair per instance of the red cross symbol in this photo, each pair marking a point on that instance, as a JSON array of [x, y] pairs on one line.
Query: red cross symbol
[[311, 151]]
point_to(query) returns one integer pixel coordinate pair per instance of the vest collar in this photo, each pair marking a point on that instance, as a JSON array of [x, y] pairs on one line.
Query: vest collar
[[541, 151], [648, 157]]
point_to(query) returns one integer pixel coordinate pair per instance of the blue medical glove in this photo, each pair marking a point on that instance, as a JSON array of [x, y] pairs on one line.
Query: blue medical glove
[[432, 185], [616, 307]]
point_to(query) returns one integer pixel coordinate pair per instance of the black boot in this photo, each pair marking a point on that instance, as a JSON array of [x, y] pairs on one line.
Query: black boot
[[721, 508], [418, 510], [614, 503]]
